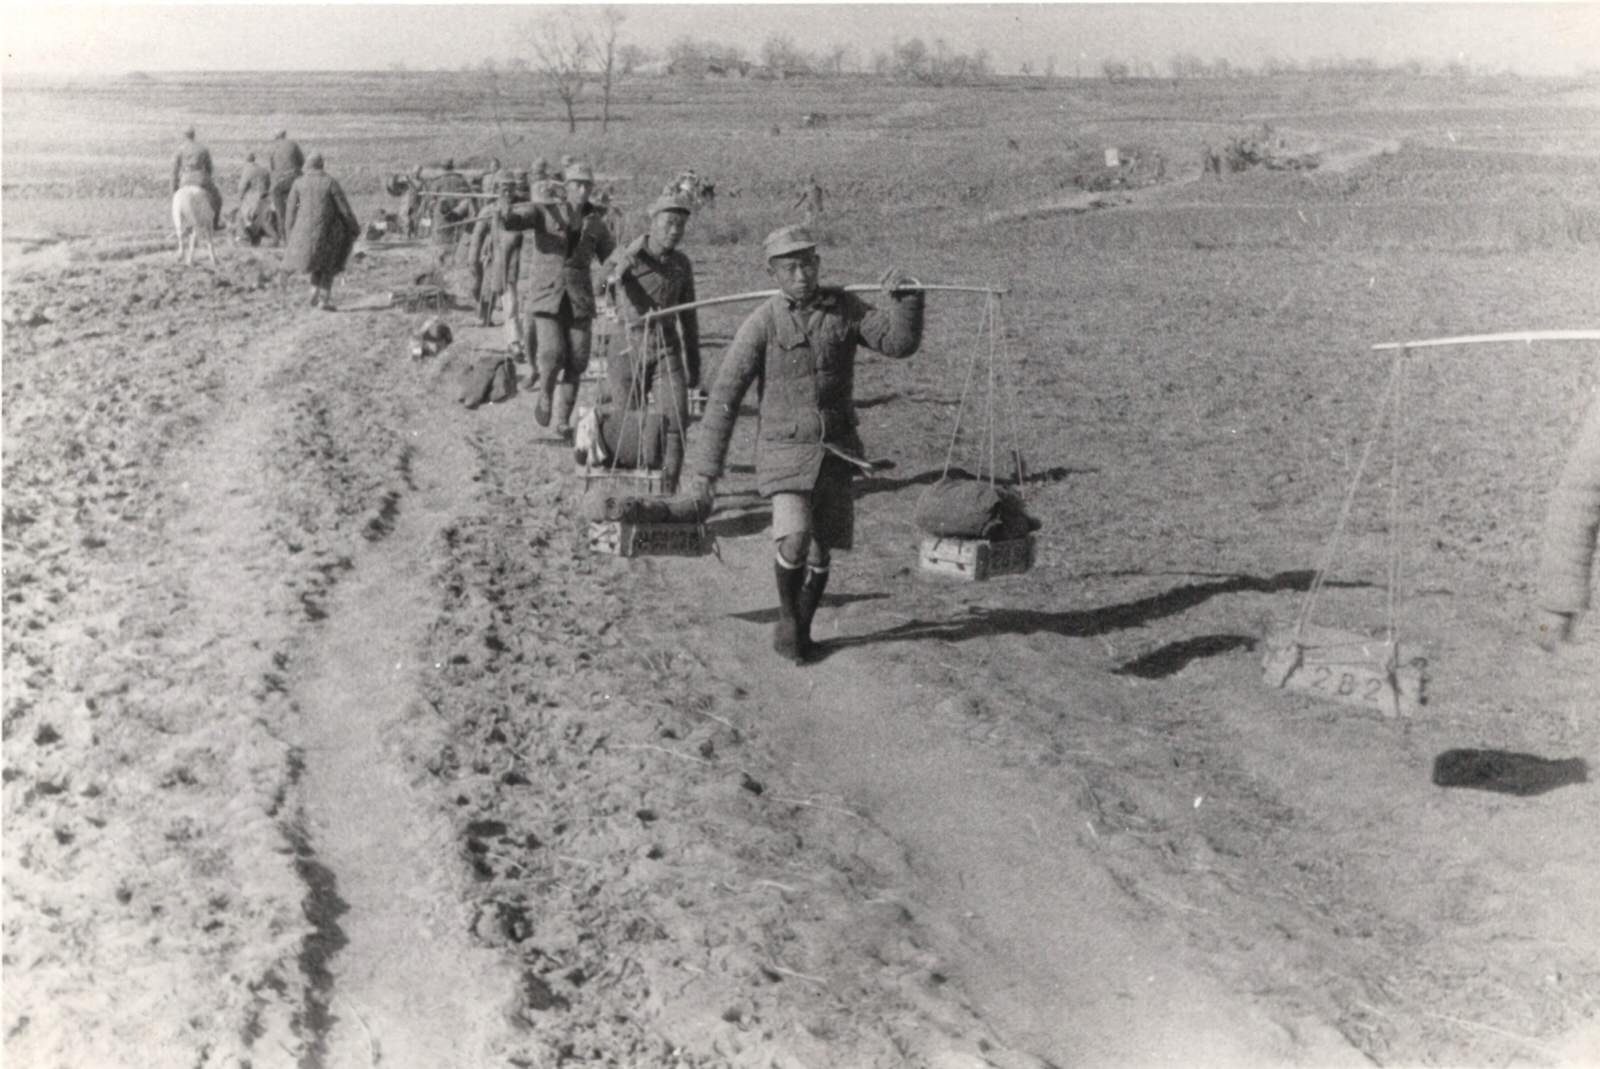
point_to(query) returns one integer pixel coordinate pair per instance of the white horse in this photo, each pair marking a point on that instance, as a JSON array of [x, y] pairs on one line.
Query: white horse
[[191, 212]]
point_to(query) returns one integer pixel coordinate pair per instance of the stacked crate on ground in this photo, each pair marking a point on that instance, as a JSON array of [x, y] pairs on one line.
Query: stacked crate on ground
[[649, 539], [639, 526]]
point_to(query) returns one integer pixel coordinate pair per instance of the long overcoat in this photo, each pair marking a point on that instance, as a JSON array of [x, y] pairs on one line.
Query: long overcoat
[[565, 242], [322, 228], [802, 362], [1566, 567], [500, 252]]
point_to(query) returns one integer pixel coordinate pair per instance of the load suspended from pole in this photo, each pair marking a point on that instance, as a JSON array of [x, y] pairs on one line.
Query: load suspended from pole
[[975, 522], [1369, 670]]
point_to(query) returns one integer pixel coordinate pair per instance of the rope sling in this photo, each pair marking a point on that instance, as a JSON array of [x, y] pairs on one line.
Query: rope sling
[[1312, 655], [999, 397]]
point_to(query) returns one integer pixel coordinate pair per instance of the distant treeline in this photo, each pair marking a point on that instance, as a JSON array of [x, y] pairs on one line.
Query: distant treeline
[[937, 63]]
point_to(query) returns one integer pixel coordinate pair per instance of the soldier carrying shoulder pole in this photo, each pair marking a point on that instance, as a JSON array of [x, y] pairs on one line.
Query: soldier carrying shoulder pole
[[801, 346]]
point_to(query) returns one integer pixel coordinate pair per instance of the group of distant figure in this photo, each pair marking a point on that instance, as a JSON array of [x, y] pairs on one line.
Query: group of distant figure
[[291, 200]]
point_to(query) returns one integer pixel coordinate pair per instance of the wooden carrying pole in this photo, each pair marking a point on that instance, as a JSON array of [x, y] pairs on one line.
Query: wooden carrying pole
[[859, 287], [1484, 339]]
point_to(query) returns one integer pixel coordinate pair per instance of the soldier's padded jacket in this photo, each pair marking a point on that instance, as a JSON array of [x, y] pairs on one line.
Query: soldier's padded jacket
[[1567, 563], [803, 362], [565, 242], [649, 282]]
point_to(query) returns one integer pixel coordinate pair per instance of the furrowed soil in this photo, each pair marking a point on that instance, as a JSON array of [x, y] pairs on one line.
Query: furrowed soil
[[329, 741]]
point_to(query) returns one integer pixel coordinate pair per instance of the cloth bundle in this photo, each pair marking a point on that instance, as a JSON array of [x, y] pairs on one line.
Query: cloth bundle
[[972, 508], [430, 339], [487, 379], [601, 506]]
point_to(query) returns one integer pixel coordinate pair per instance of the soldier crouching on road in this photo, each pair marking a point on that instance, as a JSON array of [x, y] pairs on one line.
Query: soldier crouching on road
[[801, 347]]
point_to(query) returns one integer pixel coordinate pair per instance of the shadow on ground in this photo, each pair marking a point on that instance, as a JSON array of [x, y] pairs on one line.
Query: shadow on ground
[[982, 622]]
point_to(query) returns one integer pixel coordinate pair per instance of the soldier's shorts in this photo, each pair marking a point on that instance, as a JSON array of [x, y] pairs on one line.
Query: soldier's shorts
[[827, 513]]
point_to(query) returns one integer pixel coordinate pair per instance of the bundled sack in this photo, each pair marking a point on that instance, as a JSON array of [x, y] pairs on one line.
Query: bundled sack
[[430, 339], [606, 437], [972, 508], [487, 379], [602, 506]]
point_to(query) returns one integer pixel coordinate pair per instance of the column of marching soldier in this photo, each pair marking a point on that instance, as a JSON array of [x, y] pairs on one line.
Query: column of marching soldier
[[800, 345]]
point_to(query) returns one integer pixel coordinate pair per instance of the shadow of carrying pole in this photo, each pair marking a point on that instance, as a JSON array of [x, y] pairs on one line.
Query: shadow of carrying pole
[[1087, 623]]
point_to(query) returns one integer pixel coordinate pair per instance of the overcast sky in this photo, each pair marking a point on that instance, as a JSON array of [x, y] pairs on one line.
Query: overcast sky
[[1531, 38]]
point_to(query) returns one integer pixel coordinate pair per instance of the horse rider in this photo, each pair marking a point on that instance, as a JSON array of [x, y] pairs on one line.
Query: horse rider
[[567, 236], [191, 166], [801, 346], [256, 216], [651, 273], [284, 160]]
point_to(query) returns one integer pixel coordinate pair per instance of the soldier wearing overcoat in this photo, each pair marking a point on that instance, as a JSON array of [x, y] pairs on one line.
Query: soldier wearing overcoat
[[256, 216], [285, 161], [322, 230], [495, 254]]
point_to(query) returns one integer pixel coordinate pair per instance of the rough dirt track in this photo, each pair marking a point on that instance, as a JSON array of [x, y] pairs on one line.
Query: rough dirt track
[[327, 732]]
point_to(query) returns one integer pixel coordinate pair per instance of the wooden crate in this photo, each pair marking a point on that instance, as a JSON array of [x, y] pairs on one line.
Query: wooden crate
[[1343, 666], [977, 559], [626, 482], [649, 539]]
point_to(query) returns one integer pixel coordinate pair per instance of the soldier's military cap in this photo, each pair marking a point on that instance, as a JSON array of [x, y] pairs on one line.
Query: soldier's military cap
[[787, 240], [578, 172], [669, 203]]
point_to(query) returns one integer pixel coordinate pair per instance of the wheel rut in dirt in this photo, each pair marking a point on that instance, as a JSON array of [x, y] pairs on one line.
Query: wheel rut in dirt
[[389, 974]]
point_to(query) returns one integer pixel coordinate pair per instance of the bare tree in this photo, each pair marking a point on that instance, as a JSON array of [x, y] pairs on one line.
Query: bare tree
[[561, 47], [632, 57], [608, 25], [911, 59]]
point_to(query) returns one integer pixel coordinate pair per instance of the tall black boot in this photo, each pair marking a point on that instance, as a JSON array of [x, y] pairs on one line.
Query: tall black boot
[[786, 632], [811, 588]]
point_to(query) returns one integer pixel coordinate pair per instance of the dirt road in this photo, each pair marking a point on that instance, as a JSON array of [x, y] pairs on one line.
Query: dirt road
[[337, 741]]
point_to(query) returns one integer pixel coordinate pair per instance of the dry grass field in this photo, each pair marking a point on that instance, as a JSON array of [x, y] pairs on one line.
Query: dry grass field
[[329, 743]]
